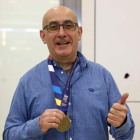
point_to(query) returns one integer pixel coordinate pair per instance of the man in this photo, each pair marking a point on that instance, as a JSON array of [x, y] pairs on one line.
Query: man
[[90, 99]]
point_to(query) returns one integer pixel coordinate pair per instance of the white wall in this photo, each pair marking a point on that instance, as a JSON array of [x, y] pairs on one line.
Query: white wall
[[20, 45], [116, 40], [117, 47], [88, 29]]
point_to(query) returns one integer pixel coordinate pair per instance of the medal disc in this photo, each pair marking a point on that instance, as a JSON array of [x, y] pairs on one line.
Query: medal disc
[[64, 125]]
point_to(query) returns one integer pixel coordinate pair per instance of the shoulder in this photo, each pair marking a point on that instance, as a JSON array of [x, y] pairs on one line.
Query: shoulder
[[37, 71], [98, 67], [100, 72], [95, 69]]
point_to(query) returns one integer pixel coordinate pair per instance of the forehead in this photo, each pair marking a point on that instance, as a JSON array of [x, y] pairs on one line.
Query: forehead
[[59, 16]]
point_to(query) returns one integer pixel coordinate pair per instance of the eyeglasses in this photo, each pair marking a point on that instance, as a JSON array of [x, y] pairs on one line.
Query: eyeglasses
[[68, 26]]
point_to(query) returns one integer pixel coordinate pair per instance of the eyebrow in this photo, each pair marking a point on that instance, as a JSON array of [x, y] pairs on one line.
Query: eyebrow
[[55, 22]]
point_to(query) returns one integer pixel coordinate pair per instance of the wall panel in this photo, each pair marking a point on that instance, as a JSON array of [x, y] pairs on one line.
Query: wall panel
[[117, 48], [20, 45], [117, 43]]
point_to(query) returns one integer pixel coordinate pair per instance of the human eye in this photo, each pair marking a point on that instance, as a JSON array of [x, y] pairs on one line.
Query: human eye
[[53, 27], [69, 26]]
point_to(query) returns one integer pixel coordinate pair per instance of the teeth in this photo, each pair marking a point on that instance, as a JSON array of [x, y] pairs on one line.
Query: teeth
[[61, 43]]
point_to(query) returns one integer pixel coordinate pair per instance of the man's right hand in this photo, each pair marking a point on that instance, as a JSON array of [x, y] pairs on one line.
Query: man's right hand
[[50, 118]]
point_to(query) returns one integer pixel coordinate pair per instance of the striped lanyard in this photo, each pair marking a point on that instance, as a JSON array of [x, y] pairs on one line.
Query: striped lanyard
[[62, 100]]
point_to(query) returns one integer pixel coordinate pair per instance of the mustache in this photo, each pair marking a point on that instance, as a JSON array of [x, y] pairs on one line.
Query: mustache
[[63, 40]]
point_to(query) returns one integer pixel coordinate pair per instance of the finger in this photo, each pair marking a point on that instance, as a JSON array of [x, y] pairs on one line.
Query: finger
[[123, 98], [58, 111], [59, 116], [112, 117], [114, 123], [115, 112], [52, 125], [53, 120], [54, 113], [119, 107], [61, 113]]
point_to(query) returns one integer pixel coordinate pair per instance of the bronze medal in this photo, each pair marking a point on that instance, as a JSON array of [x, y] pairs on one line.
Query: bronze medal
[[64, 125]]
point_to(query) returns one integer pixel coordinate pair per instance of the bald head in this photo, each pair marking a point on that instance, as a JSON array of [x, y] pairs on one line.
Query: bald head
[[58, 14]]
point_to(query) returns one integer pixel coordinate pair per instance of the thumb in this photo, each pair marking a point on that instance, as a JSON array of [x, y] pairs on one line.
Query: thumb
[[123, 98]]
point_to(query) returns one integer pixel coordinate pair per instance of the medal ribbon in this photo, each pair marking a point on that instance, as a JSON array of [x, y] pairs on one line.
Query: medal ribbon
[[62, 100]]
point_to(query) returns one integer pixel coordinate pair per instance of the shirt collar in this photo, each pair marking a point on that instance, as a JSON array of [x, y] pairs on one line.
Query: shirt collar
[[83, 61]]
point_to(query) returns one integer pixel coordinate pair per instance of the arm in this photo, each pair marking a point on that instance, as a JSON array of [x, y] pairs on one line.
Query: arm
[[119, 130], [18, 126], [125, 132]]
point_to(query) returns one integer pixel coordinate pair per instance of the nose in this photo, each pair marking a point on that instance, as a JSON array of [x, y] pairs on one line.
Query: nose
[[61, 32]]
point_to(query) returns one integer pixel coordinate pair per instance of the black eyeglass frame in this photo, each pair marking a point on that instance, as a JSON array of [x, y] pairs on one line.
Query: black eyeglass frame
[[59, 27]]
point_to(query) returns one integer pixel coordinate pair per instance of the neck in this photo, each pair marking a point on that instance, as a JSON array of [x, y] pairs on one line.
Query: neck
[[65, 66], [65, 63]]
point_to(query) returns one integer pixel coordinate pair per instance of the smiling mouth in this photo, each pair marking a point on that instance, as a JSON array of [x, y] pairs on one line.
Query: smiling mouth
[[62, 43]]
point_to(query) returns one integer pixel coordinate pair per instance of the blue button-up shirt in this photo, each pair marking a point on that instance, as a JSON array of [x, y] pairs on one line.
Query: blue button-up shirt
[[92, 94]]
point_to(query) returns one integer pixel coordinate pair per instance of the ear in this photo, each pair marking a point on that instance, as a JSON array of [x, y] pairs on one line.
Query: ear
[[80, 32], [42, 36]]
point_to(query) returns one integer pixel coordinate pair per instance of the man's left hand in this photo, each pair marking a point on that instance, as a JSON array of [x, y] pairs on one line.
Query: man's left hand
[[118, 112]]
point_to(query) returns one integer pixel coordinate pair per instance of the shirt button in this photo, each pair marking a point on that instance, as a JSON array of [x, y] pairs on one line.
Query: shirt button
[[69, 103], [61, 72], [54, 64], [70, 138]]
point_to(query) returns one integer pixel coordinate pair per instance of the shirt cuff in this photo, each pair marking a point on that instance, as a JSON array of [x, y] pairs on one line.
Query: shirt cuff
[[34, 129], [124, 128]]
